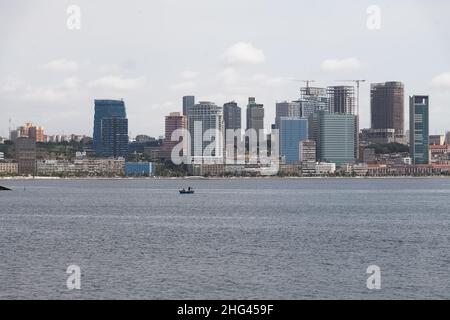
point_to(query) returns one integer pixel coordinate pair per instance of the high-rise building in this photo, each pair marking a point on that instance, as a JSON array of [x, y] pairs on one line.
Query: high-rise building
[[334, 134], [36, 134], [387, 105], [287, 109], [447, 138], [25, 149], [232, 116], [313, 99], [188, 102], [206, 115], [307, 151], [105, 109], [173, 121], [114, 137], [307, 156], [24, 129], [232, 121], [342, 99], [419, 129], [255, 121], [255, 115], [292, 131]]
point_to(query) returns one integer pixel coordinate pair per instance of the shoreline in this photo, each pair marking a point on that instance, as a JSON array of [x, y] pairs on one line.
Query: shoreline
[[220, 178]]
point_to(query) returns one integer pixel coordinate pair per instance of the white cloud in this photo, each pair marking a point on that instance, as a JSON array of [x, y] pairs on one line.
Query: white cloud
[[441, 81], [187, 82], [61, 65], [244, 53], [44, 94], [348, 64], [52, 93], [118, 83], [228, 76]]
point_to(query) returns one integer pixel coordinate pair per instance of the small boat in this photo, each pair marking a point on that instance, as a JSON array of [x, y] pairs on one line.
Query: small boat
[[4, 189], [188, 191]]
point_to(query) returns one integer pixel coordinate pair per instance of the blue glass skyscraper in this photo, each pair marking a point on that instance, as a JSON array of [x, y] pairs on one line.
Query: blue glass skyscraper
[[293, 130], [108, 110], [114, 137]]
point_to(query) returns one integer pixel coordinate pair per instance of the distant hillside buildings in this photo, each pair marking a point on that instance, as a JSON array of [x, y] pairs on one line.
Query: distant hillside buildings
[[28, 130]]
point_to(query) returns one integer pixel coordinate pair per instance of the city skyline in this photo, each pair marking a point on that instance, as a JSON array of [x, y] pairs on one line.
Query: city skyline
[[54, 84]]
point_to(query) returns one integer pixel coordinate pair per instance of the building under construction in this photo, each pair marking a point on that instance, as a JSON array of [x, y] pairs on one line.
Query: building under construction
[[342, 99]]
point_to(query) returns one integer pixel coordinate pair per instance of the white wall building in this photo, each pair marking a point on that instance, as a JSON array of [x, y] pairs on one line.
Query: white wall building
[[8, 168], [325, 168]]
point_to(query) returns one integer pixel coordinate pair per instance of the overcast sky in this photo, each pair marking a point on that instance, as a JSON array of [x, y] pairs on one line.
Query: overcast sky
[[151, 53]]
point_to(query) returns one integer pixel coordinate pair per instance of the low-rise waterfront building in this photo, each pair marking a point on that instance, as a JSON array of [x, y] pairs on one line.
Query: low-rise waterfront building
[[153, 153], [367, 155], [360, 169], [439, 153], [9, 168], [290, 169], [139, 169], [324, 168], [437, 140], [82, 167]]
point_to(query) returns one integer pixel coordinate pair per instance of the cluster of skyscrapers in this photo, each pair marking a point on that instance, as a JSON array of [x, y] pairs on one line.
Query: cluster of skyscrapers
[[323, 115], [323, 118]]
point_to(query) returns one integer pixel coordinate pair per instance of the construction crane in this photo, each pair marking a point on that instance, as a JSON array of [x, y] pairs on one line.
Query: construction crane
[[307, 84], [305, 81], [9, 129], [358, 84]]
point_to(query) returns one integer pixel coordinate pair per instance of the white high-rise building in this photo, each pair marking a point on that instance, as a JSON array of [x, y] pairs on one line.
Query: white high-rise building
[[202, 117]]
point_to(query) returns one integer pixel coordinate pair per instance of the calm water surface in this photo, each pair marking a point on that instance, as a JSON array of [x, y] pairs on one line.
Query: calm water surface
[[232, 239]]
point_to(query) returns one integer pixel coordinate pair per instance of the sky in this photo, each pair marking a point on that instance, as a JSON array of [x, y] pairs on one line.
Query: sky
[[151, 53]]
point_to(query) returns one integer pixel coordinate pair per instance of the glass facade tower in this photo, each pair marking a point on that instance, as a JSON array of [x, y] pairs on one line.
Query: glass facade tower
[[419, 129], [334, 135], [293, 130], [107, 109]]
